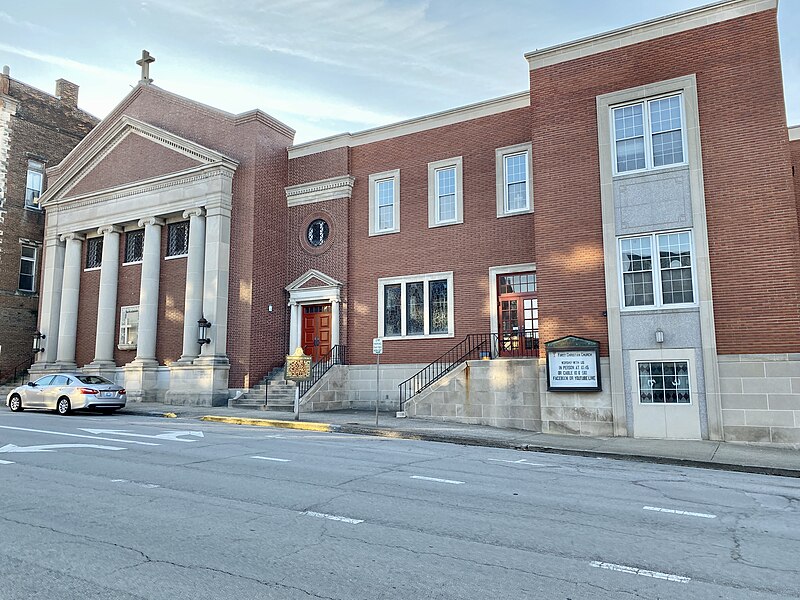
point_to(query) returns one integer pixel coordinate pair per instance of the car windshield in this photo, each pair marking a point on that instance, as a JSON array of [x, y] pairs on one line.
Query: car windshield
[[92, 379]]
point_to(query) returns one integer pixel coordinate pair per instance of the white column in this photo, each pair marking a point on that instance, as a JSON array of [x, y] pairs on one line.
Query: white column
[[107, 297], [148, 290], [70, 297], [335, 304], [294, 325], [195, 267], [50, 292], [215, 282]]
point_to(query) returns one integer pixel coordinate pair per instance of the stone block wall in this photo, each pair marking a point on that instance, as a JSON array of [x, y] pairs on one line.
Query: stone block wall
[[577, 413], [760, 397], [498, 393]]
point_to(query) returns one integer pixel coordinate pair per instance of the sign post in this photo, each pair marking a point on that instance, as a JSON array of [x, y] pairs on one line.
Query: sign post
[[298, 368], [377, 350], [573, 365]]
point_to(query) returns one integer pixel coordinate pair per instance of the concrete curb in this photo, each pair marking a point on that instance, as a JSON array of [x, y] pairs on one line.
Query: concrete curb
[[304, 425], [466, 440]]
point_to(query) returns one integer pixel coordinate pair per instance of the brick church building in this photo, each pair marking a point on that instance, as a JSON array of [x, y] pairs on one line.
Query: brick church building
[[641, 196]]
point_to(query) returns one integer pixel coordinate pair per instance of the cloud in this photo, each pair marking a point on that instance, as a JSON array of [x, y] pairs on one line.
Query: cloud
[[59, 61]]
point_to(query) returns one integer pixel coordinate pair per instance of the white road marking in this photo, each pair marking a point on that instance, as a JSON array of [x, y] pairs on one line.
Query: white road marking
[[332, 517], [437, 479], [679, 512], [635, 571], [521, 461], [6, 462], [146, 485], [77, 435], [169, 435], [272, 459], [52, 447]]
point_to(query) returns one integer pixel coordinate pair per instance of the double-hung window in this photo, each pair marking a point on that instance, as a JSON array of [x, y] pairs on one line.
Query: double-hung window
[[445, 192], [27, 269], [514, 175], [657, 270], [384, 202], [416, 306], [648, 134], [128, 327], [34, 184]]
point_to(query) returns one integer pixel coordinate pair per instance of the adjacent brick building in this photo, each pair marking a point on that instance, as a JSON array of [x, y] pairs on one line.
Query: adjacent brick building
[[37, 130], [638, 204]]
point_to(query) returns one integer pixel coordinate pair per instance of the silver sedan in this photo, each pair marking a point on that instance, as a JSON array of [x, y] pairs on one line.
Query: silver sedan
[[65, 392]]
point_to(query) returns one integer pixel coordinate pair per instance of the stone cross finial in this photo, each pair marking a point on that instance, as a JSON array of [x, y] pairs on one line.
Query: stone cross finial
[[144, 62]]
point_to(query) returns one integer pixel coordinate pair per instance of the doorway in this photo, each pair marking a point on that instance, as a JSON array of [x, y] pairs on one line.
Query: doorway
[[518, 314], [316, 330]]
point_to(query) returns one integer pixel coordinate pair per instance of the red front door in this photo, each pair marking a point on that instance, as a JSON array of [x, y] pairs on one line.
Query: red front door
[[316, 334], [518, 314]]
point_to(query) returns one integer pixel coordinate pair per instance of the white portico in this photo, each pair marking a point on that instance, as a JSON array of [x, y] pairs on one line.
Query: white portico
[[84, 216]]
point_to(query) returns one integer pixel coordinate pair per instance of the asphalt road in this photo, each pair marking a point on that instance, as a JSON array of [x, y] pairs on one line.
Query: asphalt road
[[123, 507]]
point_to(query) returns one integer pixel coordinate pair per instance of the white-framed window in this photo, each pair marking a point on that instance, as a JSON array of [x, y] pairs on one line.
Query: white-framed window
[[134, 246], [384, 202], [27, 268], [416, 306], [514, 180], [445, 192], [94, 253], [177, 239], [664, 382], [34, 184], [657, 270], [128, 327], [648, 134]]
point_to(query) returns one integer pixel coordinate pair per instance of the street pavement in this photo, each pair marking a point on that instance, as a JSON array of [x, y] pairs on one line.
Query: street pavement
[[129, 506]]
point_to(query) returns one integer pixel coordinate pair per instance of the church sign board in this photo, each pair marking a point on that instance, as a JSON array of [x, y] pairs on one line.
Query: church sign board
[[573, 365], [298, 366]]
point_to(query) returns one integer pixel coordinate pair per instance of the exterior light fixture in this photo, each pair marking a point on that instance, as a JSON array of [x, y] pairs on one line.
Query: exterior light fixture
[[202, 331], [37, 342], [659, 336]]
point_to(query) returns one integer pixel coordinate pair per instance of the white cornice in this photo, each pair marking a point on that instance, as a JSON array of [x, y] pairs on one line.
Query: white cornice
[[648, 30], [326, 280], [112, 137], [440, 119], [318, 191], [162, 182], [794, 133]]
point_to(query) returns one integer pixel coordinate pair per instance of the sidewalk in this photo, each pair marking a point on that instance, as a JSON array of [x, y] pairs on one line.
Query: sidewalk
[[704, 454]]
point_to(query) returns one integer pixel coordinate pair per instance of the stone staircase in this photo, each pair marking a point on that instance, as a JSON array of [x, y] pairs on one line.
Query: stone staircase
[[279, 394]]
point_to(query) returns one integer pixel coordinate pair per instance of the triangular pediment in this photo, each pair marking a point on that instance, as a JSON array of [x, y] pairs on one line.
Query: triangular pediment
[[130, 151], [312, 279]]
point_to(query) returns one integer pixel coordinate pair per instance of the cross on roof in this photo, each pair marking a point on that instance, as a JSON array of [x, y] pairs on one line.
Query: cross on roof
[[144, 62]]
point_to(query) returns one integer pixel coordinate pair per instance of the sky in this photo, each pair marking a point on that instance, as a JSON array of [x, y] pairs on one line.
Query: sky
[[321, 66]]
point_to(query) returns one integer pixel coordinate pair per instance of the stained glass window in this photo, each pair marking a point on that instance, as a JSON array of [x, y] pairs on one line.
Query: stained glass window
[[94, 252], [664, 382], [438, 306], [392, 317], [178, 239], [134, 246], [415, 308]]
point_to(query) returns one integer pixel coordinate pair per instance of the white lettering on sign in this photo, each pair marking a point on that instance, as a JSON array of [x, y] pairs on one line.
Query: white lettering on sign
[[573, 369], [377, 345]]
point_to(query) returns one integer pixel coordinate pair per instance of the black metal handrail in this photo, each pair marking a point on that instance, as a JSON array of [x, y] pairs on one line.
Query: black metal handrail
[[17, 372], [336, 356], [475, 346]]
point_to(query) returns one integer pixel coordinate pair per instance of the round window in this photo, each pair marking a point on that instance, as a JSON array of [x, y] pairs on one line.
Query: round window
[[317, 232]]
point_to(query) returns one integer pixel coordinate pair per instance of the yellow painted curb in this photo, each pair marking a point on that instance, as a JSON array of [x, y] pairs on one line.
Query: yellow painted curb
[[170, 416], [270, 423]]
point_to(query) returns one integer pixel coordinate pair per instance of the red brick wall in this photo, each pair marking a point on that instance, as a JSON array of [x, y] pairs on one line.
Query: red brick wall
[[321, 165], [749, 198], [171, 303], [87, 313], [43, 128], [135, 158], [468, 249], [127, 295], [794, 148]]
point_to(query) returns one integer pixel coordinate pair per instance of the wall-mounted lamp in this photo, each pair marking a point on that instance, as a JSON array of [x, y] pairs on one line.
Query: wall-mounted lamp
[[202, 331], [37, 342], [659, 336]]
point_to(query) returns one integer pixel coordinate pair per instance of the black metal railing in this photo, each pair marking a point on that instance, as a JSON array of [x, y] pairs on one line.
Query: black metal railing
[[475, 346], [337, 356], [16, 375]]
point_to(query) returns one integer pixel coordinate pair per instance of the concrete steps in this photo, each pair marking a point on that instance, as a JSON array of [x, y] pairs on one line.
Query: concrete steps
[[279, 394]]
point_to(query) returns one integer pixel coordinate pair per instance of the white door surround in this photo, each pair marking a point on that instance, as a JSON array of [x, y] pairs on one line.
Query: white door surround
[[323, 289]]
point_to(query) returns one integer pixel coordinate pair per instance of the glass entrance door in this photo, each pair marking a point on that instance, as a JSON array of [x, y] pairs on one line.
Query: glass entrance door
[[518, 314]]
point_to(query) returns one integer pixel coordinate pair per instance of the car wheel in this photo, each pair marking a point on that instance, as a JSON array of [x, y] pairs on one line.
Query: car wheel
[[63, 406], [15, 404]]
